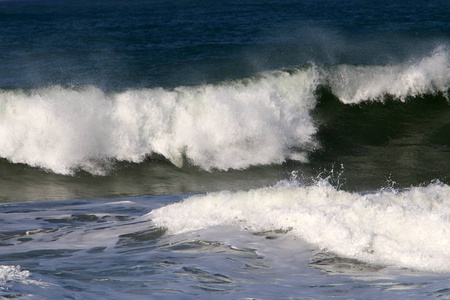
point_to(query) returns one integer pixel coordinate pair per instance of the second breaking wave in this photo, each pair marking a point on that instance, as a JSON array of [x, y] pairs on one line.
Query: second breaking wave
[[407, 228]]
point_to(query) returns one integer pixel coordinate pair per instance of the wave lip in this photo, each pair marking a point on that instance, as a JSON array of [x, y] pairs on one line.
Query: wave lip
[[404, 229]]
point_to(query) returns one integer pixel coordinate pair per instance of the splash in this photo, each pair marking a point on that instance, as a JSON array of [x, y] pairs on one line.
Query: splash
[[12, 273]]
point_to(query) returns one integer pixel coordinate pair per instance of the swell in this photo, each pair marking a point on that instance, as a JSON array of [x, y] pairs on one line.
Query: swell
[[267, 119]]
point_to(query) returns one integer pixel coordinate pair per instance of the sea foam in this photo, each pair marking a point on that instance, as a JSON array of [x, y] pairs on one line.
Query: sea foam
[[12, 273], [228, 125], [393, 228]]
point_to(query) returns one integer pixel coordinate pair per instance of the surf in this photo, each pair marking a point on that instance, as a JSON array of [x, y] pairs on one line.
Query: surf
[[400, 228]]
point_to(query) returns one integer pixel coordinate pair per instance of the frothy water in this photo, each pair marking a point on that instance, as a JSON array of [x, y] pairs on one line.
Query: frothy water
[[291, 240], [12, 273], [229, 125], [406, 229]]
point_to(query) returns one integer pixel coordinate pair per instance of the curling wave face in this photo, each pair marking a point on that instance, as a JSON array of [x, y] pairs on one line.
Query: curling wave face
[[261, 120], [392, 228]]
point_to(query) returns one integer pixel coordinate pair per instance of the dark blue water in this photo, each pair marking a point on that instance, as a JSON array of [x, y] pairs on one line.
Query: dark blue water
[[328, 118], [135, 44]]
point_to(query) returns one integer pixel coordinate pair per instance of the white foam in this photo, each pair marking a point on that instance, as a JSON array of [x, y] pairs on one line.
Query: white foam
[[404, 229], [231, 125], [354, 84], [12, 273]]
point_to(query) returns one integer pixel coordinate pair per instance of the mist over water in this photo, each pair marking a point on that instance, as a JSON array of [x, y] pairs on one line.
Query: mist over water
[[145, 44]]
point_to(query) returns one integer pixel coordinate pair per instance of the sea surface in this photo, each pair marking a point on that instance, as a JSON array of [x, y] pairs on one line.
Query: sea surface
[[173, 149]]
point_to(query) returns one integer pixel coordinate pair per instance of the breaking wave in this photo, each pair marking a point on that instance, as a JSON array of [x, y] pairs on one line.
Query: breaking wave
[[265, 119], [406, 228]]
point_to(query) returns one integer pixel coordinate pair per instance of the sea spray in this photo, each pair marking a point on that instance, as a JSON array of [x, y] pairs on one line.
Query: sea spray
[[11, 274]]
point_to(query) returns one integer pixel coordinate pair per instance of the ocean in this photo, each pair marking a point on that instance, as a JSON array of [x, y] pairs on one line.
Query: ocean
[[172, 149]]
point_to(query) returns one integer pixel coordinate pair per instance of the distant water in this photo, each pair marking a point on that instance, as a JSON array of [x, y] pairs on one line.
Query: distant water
[[254, 149]]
